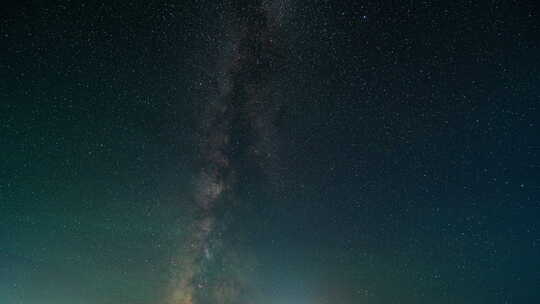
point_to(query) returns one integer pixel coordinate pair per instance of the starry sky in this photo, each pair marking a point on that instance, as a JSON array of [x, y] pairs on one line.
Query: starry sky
[[269, 152]]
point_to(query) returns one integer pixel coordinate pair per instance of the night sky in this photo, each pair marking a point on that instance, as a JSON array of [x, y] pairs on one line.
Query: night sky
[[269, 152]]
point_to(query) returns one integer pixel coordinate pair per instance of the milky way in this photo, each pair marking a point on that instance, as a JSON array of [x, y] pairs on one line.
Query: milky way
[[238, 127]]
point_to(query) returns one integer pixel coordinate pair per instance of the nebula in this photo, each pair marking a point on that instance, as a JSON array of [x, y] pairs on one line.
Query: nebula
[[238, 126]]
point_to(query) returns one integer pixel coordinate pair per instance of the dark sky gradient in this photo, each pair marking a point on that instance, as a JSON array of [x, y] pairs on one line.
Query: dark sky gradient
[[397, 159]]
